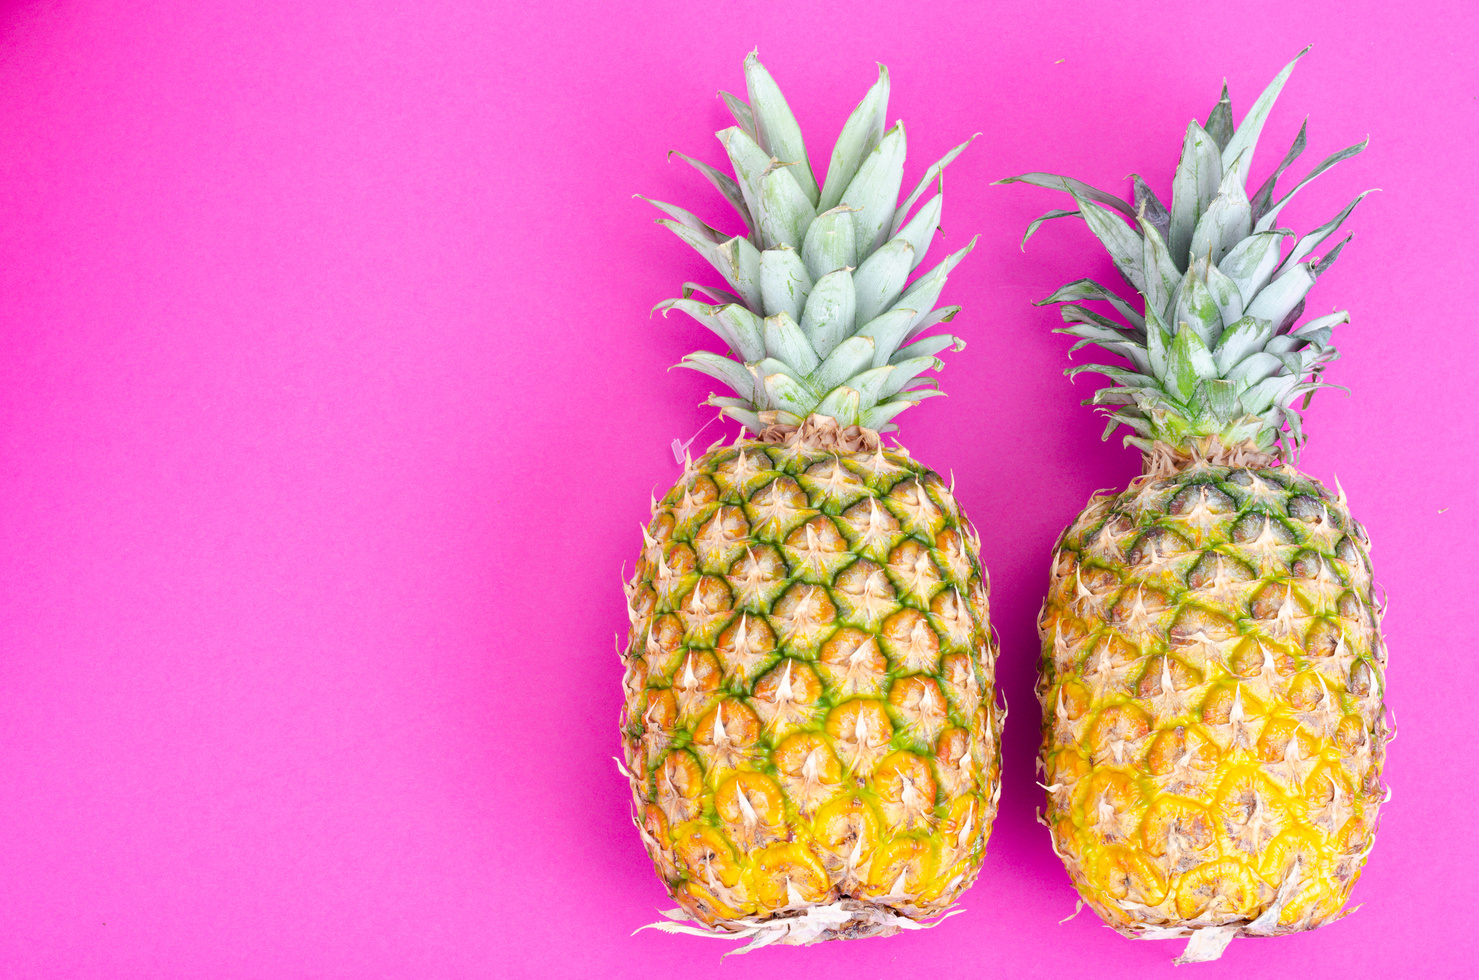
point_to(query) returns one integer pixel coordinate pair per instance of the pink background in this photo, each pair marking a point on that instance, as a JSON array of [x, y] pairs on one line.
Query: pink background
[[330, 402]]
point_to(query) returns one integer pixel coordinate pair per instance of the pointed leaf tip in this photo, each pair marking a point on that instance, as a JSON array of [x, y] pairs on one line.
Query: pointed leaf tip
[[1245, 138]]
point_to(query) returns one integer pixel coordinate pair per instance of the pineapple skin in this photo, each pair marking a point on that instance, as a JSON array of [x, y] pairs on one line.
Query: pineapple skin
[[810, 718], [1211, 685]]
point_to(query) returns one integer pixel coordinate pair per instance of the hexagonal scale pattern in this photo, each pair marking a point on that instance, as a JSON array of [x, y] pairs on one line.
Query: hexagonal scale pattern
[[810, 713], [1211, 687]]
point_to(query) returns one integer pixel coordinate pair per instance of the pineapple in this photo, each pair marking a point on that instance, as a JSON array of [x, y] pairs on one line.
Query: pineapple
[[1211, 672], [810, 727]]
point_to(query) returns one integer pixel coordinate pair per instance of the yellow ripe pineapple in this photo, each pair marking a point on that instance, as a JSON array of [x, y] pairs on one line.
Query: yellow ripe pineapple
[[810, 726], [1211, 673]]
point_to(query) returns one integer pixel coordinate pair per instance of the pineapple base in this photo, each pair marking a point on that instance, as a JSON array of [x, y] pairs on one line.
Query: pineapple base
[[802, 925], [1206, 943]]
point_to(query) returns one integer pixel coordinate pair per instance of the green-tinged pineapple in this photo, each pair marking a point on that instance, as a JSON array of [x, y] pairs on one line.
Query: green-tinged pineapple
[[810, 725], [1211, 674]]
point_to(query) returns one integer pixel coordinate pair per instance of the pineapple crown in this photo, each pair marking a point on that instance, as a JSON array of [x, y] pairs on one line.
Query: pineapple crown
[[822, 319], [1219, 356]]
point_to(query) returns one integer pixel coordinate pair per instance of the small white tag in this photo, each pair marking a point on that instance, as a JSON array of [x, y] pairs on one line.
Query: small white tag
[[680, 449], [1207, 944]]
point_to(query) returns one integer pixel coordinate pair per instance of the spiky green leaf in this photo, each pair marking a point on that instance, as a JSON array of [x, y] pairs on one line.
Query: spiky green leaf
[[1161, 275], [725, 370], [934, 174], [1226, 222], [1251, 370], [767, 366], [739, 328], [1195, 308], [789, 395], [1240, 339], [860, 134], [719, 296], [1245, 140], [785, 214], [925, 291], [880, 279], [1188, 362], [869, 384], [1267, 221], [1318, 329], [1149, 208], [887, 332], [785, 341], [725, 185], [1224, 293], [1057, 182], [1220, 397], [875, 190], [1192, 190], [750, 163], [739, 262], [735, 259], [879, 415], [1264, 197], [920, 231], [1263, 394], [1283, 294], [1157, 344], [830, 310], [927, 347], [687, 219], [1119, 239], [850, 357], [775, 127], [842, 403], [784, 282], [906, 371], [1038, 223], [1081, 289], [1073, 313], [831, 243], [740, 110], [1124, 376], [1312, 241], [935, 317], [1219, 120], [1251, 263], [1328, 259]]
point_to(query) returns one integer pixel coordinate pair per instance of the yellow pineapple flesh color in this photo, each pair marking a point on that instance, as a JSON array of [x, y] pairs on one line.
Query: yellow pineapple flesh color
[[1211, 687], [809, 720]]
